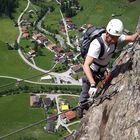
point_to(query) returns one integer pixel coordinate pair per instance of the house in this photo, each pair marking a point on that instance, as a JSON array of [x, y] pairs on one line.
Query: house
[[70, 25], [42, 40], [63, 101], [47, 102], [52, 46], [36, 35], [77, 68], [69, 55], [59, 50], [63, 60], [48, 77], [70, 115], [50, 127], [25, 18], [35, 101], [24, 29], [32, 53], [62, 28], [68, 19], [64, 107], [31, 11], [25, 35]]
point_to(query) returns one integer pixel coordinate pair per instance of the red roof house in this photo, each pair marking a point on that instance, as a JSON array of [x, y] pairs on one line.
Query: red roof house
[[70, 115]]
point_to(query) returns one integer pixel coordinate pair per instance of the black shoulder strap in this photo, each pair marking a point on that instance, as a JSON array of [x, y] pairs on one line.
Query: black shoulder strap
[[114, 48], [102, 46]]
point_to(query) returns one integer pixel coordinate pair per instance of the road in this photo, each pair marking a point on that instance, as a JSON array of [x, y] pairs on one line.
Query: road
[[66, 29]]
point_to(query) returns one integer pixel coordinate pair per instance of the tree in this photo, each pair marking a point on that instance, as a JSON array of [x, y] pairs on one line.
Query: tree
[[7, 7], [63, 7]]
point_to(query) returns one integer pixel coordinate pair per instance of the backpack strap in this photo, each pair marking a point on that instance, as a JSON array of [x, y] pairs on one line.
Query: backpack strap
[[102, 51], [114, 48], [100, 40]]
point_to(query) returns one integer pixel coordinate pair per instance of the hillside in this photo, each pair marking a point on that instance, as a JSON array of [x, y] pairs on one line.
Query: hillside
[[117, 118], [100, 12]]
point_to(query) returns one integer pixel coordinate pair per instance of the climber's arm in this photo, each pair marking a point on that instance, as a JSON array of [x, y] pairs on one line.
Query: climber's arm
[[131, 38]]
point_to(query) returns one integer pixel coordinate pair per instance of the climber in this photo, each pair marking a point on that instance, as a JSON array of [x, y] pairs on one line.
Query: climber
[[94, 67]]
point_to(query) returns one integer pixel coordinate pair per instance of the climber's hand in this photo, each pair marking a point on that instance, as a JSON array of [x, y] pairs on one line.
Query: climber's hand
[[92, 91]]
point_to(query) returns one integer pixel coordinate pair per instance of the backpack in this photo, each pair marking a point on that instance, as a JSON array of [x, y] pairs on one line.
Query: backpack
[[90, 34]]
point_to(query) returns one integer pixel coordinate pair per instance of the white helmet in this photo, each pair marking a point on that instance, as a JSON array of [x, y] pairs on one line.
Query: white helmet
[[115, 27]]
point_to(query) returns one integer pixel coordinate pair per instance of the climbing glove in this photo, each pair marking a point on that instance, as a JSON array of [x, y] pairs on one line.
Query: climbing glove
[[92, 91]]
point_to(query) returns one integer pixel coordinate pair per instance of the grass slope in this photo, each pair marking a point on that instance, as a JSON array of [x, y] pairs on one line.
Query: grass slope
[[12, 65], [99, 12], [44, 61], [8, 33], [16, 113]]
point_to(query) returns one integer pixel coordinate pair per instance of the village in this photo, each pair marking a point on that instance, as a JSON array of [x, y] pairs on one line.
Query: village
[[34, 41], [54, 104]]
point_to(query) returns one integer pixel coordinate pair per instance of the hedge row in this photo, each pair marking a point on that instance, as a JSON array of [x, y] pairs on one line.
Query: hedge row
[[24, 88]]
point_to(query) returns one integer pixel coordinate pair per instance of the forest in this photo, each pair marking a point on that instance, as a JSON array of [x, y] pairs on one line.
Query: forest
[[7, 7]]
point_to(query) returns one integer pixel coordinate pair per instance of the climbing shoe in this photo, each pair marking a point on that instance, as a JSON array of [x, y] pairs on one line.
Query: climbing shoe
[[79, 112], [81, 107]]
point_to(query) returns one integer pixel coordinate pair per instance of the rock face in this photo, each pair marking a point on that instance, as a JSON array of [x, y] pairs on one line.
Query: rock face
[[118, 118]]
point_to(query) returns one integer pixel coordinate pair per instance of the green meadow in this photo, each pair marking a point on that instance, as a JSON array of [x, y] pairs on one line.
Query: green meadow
[[53, 19], [8, 32], [45, 61], [99, 12], [16, 113], [12, 65]]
